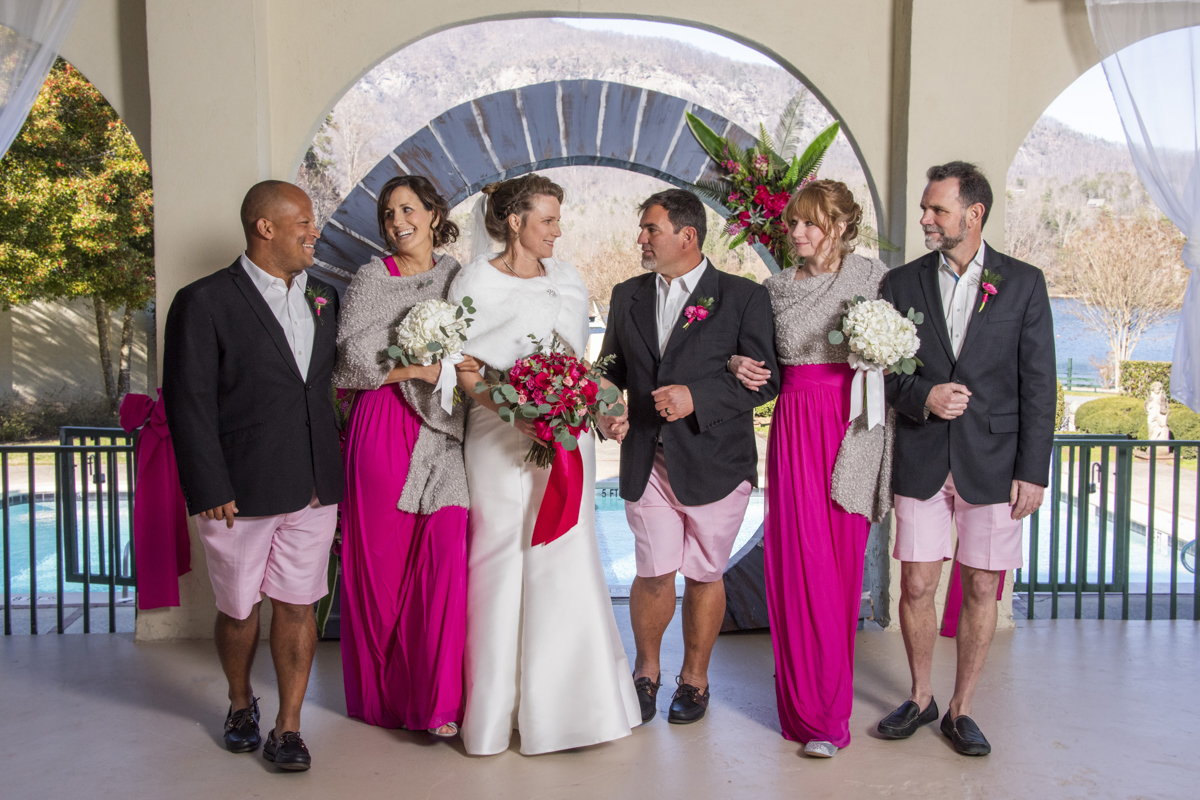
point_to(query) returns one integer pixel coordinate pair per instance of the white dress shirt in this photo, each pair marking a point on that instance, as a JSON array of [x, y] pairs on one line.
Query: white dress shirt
[[672, 297], [959, 295], [290, 307]]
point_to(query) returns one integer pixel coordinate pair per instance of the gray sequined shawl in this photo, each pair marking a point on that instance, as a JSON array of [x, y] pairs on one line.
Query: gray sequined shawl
[[372, 307], [805, 312]]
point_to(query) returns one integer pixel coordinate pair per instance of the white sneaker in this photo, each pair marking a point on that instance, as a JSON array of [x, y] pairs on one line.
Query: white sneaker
[[820, 749]]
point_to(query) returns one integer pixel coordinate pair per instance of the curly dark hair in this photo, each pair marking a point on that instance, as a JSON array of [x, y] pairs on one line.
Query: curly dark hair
[[515, 196], [444, 231], [683, 208]]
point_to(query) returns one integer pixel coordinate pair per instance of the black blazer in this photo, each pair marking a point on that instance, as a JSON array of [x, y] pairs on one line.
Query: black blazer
[[1007, 361], [246, 427], [710, 452]]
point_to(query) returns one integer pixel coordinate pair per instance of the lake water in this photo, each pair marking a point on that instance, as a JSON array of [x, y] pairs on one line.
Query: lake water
[[1072, 340]]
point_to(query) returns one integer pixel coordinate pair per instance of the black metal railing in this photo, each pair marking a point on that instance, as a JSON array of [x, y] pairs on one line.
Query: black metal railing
[[73, 514], [1101, 538]]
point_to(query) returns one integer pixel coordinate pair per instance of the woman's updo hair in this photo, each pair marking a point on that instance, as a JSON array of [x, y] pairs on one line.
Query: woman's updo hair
[[444, 231], [515, 196], [826, 204]]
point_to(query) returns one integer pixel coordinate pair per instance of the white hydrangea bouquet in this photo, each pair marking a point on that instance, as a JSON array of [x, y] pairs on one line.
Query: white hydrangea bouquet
[[434, 331], [879, 339]]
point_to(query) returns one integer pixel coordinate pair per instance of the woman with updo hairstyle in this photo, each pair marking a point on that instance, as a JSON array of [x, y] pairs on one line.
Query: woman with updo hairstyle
[[827, 479], [543, 653], [404, 517]]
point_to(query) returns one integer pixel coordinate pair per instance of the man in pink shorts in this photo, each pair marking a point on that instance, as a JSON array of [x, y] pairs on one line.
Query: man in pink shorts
[[248, 366], [974, 432], [688, 455]]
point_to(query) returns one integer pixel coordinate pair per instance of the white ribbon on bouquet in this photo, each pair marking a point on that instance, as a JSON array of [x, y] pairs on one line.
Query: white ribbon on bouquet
[[447, 380], [870, 375]]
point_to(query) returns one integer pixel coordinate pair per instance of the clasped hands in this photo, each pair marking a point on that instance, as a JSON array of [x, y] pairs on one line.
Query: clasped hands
[[673, 402]]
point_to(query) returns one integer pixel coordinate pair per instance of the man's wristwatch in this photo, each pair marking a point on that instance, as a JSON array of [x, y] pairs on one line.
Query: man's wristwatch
[[926, 412]]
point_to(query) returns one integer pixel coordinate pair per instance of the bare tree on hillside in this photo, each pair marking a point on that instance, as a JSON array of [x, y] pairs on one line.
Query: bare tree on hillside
[[317, 175], [356, 127], [1129, 276]]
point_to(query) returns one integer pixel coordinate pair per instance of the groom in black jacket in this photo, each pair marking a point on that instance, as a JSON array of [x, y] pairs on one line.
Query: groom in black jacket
[[974, 432], [688, 452]]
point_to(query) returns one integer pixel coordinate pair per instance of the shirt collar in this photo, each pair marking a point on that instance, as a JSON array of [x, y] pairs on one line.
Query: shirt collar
[[264, 280], [689, 280], [976, 264]]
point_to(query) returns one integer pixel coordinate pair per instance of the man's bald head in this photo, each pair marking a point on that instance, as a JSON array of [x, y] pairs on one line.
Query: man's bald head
[[266, 200]]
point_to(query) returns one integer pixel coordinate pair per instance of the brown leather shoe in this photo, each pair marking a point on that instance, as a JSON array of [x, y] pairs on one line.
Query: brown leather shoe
[[288, 751], [689, 703], [647, 693]]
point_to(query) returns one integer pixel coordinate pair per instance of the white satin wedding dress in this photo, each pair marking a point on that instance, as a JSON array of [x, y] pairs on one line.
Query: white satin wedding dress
[[543, 655]]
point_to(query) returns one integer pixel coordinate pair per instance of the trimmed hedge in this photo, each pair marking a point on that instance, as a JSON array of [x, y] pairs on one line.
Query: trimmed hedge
[[1060, 407], [1111, 415], [1136, 377], [1127, 415], [765, 410]]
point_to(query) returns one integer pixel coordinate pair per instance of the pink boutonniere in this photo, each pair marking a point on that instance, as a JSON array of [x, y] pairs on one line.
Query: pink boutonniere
[[319, 299], [987, 285], [698, 312]]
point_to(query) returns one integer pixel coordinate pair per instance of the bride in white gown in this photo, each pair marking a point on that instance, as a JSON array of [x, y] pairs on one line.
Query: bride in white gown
[[543, 655]]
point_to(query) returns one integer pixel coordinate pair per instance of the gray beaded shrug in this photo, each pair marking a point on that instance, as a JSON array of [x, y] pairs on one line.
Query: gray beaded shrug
[[372, 307], [806, 311]]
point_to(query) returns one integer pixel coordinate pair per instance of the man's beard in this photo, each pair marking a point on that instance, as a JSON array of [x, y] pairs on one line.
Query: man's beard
[[945, 242], [649, 262]]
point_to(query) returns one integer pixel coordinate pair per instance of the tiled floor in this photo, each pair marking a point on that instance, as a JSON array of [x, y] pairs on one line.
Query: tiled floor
[[1073, 709]]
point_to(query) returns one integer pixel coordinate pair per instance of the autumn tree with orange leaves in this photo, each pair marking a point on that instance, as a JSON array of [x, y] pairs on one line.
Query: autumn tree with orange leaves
[[77, 217]]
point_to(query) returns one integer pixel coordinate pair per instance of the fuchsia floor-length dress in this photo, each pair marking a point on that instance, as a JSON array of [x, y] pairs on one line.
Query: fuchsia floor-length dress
[[403, 579], [814, 551]]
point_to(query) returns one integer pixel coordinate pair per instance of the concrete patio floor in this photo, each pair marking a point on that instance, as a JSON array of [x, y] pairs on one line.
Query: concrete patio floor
[[1073, 710]]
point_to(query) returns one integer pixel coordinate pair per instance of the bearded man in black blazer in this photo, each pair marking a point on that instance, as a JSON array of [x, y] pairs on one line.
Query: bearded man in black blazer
[[974, 433], [688, 451], [247, 379]]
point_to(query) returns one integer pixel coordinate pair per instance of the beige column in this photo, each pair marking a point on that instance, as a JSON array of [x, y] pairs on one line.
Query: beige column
[[211, 141]]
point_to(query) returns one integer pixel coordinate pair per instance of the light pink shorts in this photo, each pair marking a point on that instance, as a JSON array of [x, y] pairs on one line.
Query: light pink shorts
[[695, 540], [285, 557], [988, 537]]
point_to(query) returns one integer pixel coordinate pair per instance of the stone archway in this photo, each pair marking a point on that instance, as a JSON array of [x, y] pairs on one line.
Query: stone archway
[[557, 124]]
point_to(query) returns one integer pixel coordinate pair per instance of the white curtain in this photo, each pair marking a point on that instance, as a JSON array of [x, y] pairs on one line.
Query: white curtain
[[31, 31], [1151, 52]]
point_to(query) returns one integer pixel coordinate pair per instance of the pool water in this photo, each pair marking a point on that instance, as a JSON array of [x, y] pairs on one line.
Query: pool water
[[616, 540], [45, 560], [1160, 554]]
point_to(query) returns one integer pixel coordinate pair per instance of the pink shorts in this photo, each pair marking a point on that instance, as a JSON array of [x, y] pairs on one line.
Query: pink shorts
[[695, 540], [988, 537], [285, 557]]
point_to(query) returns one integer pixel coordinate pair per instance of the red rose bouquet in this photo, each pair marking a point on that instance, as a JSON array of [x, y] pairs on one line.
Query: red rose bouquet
[[561, 395]]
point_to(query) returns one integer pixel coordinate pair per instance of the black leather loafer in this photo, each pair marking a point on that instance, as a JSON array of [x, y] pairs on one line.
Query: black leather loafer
[[688, 705], [965, 735], [241, 729], [647, 693], [904, 721], [287, 752]]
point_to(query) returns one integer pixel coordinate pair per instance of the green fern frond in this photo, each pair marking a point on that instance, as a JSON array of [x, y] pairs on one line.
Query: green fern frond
[[787, 131], [814, 154]]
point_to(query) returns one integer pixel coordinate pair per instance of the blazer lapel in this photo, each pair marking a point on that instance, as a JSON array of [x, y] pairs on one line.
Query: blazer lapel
[[992, 261], [255, 299], [933, 303], [642, 309], [708, 286]]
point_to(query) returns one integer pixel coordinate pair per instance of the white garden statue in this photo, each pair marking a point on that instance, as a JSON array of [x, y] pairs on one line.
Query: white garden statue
[[1156, 412]]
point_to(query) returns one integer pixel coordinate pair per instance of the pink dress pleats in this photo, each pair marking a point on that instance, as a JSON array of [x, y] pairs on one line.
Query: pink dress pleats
[[403, 579], [813, 551]]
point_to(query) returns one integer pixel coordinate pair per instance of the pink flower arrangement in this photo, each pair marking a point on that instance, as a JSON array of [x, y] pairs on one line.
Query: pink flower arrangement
[[987, 285], [698, 312], [559, 393]]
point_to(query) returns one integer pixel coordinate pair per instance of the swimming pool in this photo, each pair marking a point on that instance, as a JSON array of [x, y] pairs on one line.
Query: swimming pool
[[45, 561]]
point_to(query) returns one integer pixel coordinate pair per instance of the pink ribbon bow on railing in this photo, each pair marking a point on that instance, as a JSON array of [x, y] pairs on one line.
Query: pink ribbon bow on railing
[[162, 549]]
